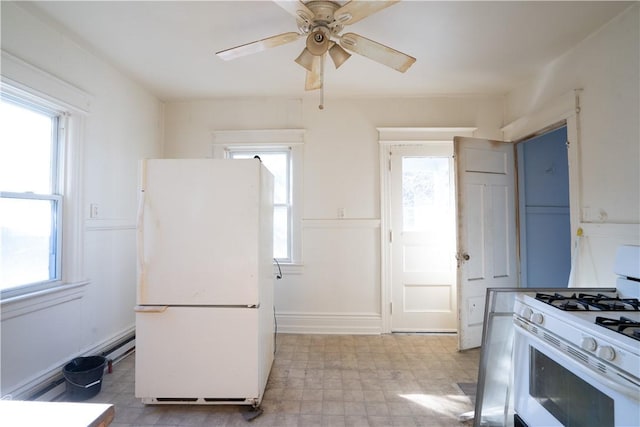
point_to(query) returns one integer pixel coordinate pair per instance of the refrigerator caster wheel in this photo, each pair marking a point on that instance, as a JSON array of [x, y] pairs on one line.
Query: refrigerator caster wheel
[[252, 413]]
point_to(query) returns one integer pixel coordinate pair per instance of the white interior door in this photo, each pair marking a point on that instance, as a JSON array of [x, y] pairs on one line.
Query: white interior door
[[423, 291], [485, 174]]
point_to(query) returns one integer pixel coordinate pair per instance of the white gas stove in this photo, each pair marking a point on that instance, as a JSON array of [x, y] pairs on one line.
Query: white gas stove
[[577, 353]]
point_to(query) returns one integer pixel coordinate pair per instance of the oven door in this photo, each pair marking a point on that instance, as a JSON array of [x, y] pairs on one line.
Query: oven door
[[552, 388]]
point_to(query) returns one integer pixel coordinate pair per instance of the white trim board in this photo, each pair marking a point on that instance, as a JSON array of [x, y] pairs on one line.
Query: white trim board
[[389, 137], [329, 323], [564, 108], [421, 135], [341, 223], [42, 379], [557, 110], [32, 80], [260, 136]]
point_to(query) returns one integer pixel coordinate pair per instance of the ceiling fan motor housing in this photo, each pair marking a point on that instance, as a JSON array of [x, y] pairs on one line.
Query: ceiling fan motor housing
[[323, 16]]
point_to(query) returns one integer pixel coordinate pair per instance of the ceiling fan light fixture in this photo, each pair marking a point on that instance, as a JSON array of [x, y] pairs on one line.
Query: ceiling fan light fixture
[[305, 59], [338, 55], [318, 42]]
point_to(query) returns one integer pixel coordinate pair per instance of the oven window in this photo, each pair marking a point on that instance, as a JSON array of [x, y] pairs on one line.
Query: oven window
[[571, 400]]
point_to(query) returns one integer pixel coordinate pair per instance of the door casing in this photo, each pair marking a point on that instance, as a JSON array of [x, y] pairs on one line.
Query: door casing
[[388, 137], [563, 108]]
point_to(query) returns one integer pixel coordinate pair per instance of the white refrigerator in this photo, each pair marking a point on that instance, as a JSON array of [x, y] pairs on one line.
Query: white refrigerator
[[204, 313]]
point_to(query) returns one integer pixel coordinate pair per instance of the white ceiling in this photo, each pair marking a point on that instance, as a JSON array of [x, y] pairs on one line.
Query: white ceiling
[[461, 47]]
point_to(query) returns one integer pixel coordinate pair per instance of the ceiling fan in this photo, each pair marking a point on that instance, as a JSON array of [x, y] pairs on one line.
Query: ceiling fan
[[322, 22]]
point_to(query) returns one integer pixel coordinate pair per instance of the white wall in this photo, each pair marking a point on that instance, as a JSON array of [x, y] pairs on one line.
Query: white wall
[[338, 289], [607, 67], [124, 124]]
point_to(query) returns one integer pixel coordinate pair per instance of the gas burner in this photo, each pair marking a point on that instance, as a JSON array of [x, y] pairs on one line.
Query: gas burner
[[607, 303], [623, 325], [589, 302], [563, 302]]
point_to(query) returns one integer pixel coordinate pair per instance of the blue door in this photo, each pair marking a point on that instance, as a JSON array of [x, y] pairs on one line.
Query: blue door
[[545, 230]]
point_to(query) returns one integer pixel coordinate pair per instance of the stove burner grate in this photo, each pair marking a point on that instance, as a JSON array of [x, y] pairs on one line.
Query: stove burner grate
[[623, 325], [584, 301]]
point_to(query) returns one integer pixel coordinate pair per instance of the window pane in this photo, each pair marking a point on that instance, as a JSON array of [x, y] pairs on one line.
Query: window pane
[[277, 163], [26, 149], [426, 193], [281, 232], [26, 241]]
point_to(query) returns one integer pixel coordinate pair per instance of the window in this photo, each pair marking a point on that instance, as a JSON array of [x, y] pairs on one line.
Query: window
[[281, 152], [30, 197], [278, 161], [42, 122]]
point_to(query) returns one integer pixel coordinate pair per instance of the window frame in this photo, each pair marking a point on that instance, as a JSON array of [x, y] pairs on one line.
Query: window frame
[[53, 195], [30, 85], [278, 140], [288, 205]]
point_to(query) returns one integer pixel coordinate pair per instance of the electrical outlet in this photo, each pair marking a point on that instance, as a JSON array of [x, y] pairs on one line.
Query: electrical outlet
[[94, 211], [476, 310]]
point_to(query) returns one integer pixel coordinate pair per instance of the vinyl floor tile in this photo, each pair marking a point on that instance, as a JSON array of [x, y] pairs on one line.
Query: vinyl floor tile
[[403, 380]]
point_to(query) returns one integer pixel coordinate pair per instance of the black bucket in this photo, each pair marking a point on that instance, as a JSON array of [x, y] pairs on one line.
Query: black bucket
[[83, 376]]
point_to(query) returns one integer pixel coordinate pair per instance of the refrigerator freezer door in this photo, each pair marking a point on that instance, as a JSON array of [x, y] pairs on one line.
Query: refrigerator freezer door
[[202, 238], [202, 355]]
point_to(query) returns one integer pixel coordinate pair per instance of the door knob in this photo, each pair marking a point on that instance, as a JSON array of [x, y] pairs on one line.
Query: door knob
[[461, 257]]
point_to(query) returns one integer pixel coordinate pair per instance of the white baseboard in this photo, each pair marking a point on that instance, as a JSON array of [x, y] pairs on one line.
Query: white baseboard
[[47, 385], [329, 323]]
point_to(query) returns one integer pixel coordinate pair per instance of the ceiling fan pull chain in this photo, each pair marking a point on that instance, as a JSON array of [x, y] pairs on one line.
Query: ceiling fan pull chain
[[321, 106]]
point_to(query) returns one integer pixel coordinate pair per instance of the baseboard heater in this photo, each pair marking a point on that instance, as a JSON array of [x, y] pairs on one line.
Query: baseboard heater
[[55, 386]]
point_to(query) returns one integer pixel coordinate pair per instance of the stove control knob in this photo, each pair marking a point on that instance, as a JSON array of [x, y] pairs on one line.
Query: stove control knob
[[526, 313], [606, 353], [588, 344], [537, 318]]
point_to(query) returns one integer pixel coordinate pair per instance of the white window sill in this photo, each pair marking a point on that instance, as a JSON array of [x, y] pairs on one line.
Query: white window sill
[[290, 269], [34, 301]]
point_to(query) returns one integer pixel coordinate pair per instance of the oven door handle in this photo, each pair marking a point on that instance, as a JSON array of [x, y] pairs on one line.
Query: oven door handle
[[626, 389]]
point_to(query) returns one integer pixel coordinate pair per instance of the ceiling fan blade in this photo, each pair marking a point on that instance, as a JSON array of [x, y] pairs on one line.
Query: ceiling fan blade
[[376, 51], [355, 10], [314, 77], [257, 46], [296, 8]]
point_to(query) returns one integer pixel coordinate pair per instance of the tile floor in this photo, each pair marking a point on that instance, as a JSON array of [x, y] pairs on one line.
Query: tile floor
[[329, 380]]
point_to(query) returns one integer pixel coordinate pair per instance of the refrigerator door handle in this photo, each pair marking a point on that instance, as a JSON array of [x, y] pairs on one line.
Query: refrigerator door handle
[[150, 308], [140, 222]]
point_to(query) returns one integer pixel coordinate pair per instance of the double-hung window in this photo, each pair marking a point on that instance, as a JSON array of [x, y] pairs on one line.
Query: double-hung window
[[278, 161], [281, 151], [30, 196]]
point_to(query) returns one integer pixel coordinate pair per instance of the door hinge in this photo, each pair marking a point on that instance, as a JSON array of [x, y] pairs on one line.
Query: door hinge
[[390, 236], [390, 308], [389, 165]]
